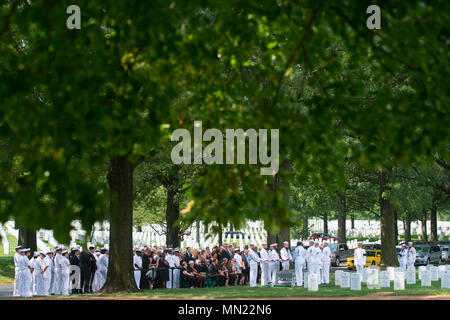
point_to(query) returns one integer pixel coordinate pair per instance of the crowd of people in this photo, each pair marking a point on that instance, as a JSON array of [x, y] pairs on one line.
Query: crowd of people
[[49, 273]]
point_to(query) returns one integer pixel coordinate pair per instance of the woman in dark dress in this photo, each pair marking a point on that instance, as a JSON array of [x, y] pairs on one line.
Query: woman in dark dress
[[223, 275], [151, 274], [162, 271], [187, 276]]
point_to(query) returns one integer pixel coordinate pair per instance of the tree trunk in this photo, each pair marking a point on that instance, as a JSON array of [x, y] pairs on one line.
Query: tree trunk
[[197, 227], [325, 223], [284, 234], [352, 219], [387, 223], [395, 226], [305, 229], [172, 215], [120, 275], [433, 220], [424, 224], [408, 228], [27, 238], [342, 217], [220, 235]]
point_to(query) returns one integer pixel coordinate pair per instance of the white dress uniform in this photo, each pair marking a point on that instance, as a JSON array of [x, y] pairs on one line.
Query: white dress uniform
[[17, 257], [314, 257], [254, 259], [171, 262], [285, 255], [99, 279], [403, 258], [360, 260], [57, 275], [238, 259], [299, 263], [25, 278], [40, 283], [47, 262], [176, 272], [326, 261], [264, 263], [35, 264], [137, 260], [411, 257], [52, 275], [275, 265], [65, 275]]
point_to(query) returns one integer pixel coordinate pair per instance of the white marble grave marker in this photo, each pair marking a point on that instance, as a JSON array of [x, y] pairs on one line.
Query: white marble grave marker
[[355, 281], [338, 277], [399, 281], [391, 271], [445, 281], [426, 278], [345, 280], [313, 282], [411, 276]]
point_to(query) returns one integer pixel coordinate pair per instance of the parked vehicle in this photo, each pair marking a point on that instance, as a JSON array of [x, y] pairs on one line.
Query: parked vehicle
[[339, 253], [373, 258], [324, 236], [371, 246], [427, 254]]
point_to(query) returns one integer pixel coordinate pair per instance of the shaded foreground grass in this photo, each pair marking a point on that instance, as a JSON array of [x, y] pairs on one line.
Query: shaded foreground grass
[[275, 292], [6, 269]]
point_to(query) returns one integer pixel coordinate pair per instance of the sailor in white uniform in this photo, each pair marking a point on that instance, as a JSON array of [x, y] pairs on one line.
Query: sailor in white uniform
[[176, 271], [171, 262], [65, 272], [17, 257], [57, 275], [314, 257], [275, 263], [137, 266], [264, 263], [39, 271], [25, 275], [299, 263], [360, 258], [254, 260], [403, 257], [411, 256], [35, 264], [286, 256], [47, 266], [326, 261]]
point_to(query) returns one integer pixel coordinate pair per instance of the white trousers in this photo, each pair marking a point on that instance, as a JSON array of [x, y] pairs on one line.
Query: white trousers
[[137, 277], [253, 273], [57, 281], [403, 265], [16, 281], [314, 268], [171, 278], [40, 284], [299, 273], [285, 265], [326, 273], [47, 283], [176, 278], [64, 285], [275, 268], [265, 273]]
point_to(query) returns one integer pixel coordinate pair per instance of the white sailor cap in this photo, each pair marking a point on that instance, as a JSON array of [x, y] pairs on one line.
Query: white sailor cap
[[18, 247], [64, 251], [410, 242], [317, 241], [263, 243], [251, 244], [40, 252], [58, 248], [49, 252], [176, 250], [97, 253], [274, 244], [310, 240], [325, 241], [35, 254], [403, 244], [285, 242]]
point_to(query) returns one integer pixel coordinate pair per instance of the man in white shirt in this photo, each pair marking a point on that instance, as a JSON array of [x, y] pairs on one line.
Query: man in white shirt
[[57, 276], [36, 265], [360, 258], [176, 271], [326, 261], [24, 288], [171, 262], [299, 260], [137, 266], [314, 256], [254, 260], [17, 257], [286, 256], [403, 257], [264, 263], [238, 258], [274, 263]]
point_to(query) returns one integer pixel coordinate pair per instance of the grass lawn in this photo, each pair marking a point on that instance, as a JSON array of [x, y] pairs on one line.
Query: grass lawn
[[6, 261], [279, 292]]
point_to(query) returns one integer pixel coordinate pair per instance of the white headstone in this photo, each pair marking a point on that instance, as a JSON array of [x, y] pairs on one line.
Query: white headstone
[[399, 281], [411, 276], [441, 270], [345, 280], [313, 282], [305, 279], [355, 281], [391, 271], [338, 277], [445, 281], [364, 275], [373, 279], [421, 269], [385, 279], [434, 273], [426, 278]]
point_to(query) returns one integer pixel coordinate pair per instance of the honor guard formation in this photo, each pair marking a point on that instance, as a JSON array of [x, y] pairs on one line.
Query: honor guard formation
[[62, 272]]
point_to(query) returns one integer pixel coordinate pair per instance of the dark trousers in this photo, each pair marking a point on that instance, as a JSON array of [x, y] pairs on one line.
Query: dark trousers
[[87, 278]]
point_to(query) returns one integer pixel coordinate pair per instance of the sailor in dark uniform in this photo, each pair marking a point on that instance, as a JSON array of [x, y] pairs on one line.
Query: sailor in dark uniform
[[88, 267]]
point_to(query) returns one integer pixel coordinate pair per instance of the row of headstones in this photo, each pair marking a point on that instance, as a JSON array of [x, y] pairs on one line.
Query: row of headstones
[[376, 279]]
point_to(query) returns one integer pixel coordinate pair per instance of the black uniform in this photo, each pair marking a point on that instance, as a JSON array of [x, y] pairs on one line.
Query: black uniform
[[145, 266], [75, 261], [88, 267]]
